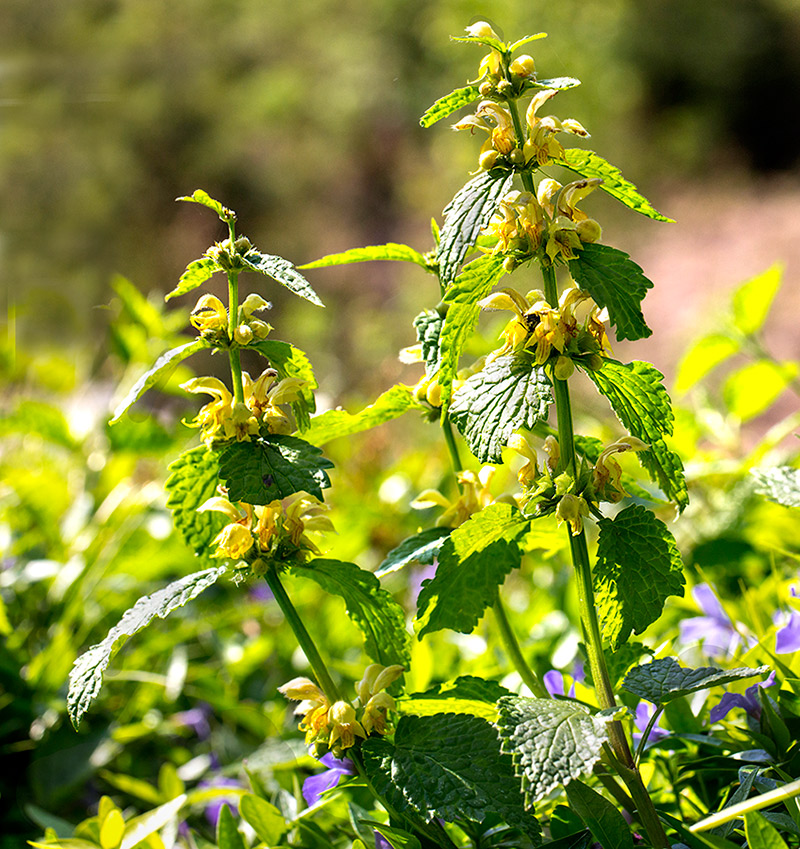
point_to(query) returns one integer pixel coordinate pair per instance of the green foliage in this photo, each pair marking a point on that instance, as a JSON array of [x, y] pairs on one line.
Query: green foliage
[[197, 272], [702, 357], [428, 325], [281, 271], [266, 820], [467, 694], [228, 836], [448, 104], [601, 817], [753, 299], [665, 679], [392, 252], [638, 567], [558, 83], [473, 563], [371, 608], [263, 470], [86, 677], [204, 199], [780, 484], [510, 393], [750, 390], [448, 766], [760, 832], [421, 548], [614, 281], [552, 742]]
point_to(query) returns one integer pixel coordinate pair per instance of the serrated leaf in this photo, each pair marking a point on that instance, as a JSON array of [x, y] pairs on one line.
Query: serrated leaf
[[751, 390], [333, 424], [616, 282], [558, 83], [486, 40], [289, 361], [204, 199], [663, 680], [448, 766], [527, 39], [602, 818], [228, 836], [86, 676], [761, 833], [638, 567], [283, 272], [421, 548], [587, 163], [508, 394], [392, 252], [466, 694], [464, 218], [780, 484], [162, 368], [263, 470], [266, 820], [641, 403], [196, 274], [473, 563], [753, 299], [448, 104], [703, 356], [428, 325], [371, 608], [551, 742]]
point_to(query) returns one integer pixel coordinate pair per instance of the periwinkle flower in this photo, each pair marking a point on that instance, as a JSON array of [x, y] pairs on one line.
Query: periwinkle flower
[[749, 701], [787, 640], [644, 713], [315, 785], [715, 629]]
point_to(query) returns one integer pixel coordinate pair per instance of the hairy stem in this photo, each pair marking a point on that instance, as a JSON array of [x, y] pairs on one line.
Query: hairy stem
[[515, 653], [233, 350]]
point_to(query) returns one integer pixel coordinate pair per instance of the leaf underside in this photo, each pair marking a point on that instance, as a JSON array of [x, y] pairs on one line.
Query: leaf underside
[[283, 272], [780, 484]]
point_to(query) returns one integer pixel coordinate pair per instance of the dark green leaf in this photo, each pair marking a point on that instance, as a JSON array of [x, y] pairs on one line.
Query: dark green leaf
[[580, 840], [448, 766], [421, 548], [289, 361], [335, 423], [638, 567], [397, 838], [267, 821], [162, 368], [283, 272], [663, 680], [196, 274], [780, 484], [228, 836], [641, 403], [467, 694], [392, 252], [508, 394], [473, 563], [448, 104], [428, 325], [614, 281], [589, 164], [193, 479], [601, 817], [464, 218], [551, 741], [204, 199], [86, 676], [263, 470], [371, 608]]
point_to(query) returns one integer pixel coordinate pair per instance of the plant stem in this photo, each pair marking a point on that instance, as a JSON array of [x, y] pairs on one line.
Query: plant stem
[[515, 654], [233, 350], [303, 637], [450, 440]]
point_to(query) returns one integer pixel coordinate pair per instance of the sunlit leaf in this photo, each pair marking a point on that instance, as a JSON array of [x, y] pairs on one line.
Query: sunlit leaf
[[421, 548], [753, 299], [392, 252], [196, 274], [204, 199], [780, 484], [448, 104], [526, 40], [283, 272], [266, 820], [703, 356], [603, 819], [558, 83], [751, 390]]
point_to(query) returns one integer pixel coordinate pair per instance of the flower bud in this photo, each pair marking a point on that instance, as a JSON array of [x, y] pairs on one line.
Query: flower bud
[[433, 395], [516, 157], [486, 88], [253, 303], [504, 87], [589, 230], [523, 66], [509, 264], [242, 245], [481, 29], [301, 689], [564, 368], [243, 334], [487, 160]]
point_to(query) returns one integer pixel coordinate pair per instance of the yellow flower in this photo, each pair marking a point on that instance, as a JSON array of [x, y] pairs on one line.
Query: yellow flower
[[233, 541], [607, 473], [572, 509], [475, 495], [314, 706], [305, 514], [529, 471], [344, 725], [263, 396], [209, 315], [541, 144], [375, 710], [213, 416], [375, 702]]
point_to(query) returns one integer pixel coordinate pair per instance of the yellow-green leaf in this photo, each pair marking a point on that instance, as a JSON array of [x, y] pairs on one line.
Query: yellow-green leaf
[[706, 354], [753, 299], [749, 391]]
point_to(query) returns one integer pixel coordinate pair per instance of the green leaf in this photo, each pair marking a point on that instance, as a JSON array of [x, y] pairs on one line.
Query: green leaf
[[753, 299], [447, 766], [704, 355], [267, 821], [335, 423], [228, 836], [551, 741], [371, 608], [263, 470], [663, 680], [466, 694], [428, 325], [487, 40], [40, 418], [397, 838], [762, 834], [473, 563], [193, 479], [589, 164], [750, 390], [558, 83], [289, 361], [508, 394], [641, 403], [638, 567], [780, 484], [464, 218], [283, 272], [392, 252], [527, 39], [160, 371], [421, 548], [614, 281], [86, 676], [448, 104], [579, 840], [196, 274], [601, 817], [204, 199]]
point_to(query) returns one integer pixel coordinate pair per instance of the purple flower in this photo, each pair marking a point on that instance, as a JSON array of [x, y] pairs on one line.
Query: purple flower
[[381, 842], [195, 719], [260, 592], [644, 713], [715, 630], [315, 785], [554, 684], [215, 805], [787, 640], [749, 701]]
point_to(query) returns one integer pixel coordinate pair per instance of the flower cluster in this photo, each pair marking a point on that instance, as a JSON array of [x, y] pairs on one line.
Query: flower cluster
[[474, 496], [336, 726], [210, 317]]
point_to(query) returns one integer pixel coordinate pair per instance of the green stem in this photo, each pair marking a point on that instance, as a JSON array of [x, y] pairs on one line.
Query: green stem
[[233, 350], [452, 448], [515, 653], [303, 637]]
